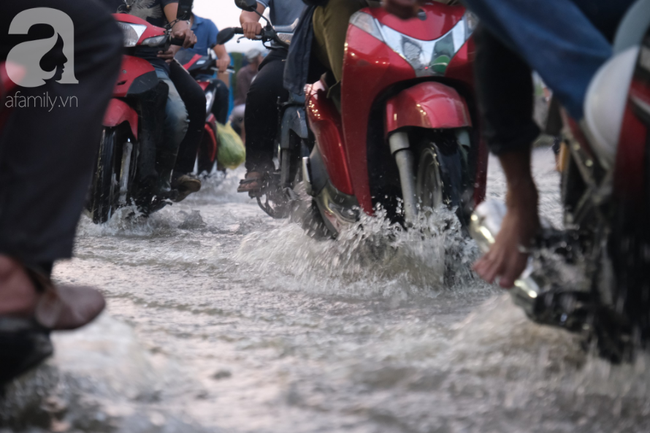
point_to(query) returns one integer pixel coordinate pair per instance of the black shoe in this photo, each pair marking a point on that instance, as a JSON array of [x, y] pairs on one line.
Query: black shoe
[[24, 344]]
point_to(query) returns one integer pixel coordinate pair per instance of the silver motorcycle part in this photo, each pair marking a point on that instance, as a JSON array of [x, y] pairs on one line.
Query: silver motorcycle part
[[485, 224], [400, 149]]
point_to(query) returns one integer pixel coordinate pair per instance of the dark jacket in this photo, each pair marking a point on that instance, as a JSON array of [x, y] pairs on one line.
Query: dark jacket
[[296, 70]]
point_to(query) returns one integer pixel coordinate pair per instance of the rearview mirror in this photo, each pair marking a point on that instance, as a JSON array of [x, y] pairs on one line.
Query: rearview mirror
[[247, 5], [184, 10], [225, 35]]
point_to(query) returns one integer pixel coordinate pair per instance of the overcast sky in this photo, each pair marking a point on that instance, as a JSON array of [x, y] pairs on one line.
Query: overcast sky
[[224, 13]]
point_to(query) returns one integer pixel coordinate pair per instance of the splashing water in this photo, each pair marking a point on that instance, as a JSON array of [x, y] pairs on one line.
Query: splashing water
[[222, 319]]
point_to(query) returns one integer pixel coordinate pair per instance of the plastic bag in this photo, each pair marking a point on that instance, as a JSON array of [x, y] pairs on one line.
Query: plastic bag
[[231, 153]]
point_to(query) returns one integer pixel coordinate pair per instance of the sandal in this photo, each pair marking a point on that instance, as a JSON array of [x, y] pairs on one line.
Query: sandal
[[251, 184]]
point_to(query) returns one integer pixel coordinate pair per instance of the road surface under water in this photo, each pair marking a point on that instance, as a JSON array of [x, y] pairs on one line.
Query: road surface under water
[[221, 319]]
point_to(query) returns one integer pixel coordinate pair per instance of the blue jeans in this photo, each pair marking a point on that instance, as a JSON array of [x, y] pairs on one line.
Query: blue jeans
[[176, 120], [565, 41]]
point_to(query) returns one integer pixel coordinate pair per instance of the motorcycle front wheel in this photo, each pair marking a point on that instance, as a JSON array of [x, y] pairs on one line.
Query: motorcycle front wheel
[[114, 172]]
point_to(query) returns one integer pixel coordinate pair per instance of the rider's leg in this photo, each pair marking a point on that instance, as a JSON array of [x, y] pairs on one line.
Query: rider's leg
[[261, 115], [330, 28], [557, 38], [505, 92], [176, 125], [221, 102], [194, 100]]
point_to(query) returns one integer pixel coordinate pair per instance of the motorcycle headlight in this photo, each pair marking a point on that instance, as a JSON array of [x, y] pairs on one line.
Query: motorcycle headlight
[[427, 58], [155, 41], [132, 33]]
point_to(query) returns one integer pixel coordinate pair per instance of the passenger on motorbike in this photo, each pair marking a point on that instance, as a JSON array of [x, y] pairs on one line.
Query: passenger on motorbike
[[565, 42], [261, 115], [182, 131], [206, 38]]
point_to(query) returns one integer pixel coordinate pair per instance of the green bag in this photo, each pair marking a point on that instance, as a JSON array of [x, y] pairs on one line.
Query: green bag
[[231, 153]]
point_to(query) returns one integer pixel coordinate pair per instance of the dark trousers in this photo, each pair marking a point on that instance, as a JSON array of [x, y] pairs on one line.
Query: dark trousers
[[221, 102], [47, 154], [261, 116], [194, 99]]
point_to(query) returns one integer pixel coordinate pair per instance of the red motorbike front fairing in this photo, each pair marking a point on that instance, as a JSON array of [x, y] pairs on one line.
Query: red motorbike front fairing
[[427, 105], [119, 112], [137, 76], [372, 69]]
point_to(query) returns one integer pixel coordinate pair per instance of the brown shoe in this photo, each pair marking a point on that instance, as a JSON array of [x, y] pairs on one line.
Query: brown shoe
[[65, 307], [185, 185]]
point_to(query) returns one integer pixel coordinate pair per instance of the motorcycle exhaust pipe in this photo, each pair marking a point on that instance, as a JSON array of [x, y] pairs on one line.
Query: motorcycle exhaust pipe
[[485, 224], [400, 149]]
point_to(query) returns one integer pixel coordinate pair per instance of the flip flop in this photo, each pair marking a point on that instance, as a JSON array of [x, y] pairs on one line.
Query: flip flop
[[251, 184]]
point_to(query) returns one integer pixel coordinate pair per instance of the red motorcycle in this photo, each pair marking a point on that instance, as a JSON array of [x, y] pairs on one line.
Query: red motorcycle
[[407, 134], [132, 126], [406, 138], [592, 278]]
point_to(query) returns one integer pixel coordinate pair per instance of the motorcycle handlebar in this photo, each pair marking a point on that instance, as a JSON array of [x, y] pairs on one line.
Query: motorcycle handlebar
[[177, 41]]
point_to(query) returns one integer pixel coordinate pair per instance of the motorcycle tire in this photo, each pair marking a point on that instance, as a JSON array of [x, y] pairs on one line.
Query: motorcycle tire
[[439, 177], [105, 188]]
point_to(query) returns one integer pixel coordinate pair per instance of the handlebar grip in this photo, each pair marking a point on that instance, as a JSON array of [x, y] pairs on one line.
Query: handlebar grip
[[177, 41]]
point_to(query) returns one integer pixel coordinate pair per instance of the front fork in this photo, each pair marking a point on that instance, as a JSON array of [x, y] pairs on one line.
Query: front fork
[[402, 151]]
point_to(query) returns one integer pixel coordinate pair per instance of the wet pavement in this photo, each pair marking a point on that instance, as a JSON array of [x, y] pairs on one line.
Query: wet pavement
[[221, 319]]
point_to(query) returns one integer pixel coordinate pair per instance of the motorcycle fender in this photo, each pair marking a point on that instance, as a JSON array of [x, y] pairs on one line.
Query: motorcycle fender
[[119, 112], [293, 119], [430, 105]]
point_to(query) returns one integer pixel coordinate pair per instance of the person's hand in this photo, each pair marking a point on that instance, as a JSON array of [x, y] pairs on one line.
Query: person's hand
[[180, 31], [169, 54], [222, 64], [251, 29], [403, 9]]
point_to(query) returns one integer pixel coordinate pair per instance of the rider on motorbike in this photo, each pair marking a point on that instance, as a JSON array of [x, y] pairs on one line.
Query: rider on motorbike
[[206, 38], [566, 43], [261, 115], [182, 132]]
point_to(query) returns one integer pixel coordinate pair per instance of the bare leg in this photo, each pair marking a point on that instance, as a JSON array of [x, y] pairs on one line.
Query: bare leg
[[506, 260]]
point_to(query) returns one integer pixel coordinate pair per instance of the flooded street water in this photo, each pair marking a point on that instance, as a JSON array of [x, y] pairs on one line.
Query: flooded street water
[[221, 319]]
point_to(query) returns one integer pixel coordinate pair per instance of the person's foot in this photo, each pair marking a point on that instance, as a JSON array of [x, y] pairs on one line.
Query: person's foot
[[251, 183], [27, 294], [508, 256], [185, 185]]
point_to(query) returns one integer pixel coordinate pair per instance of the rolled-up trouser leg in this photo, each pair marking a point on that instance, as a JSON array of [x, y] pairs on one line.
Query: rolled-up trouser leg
[[505, 94], [557, 38], [47, 152], [194, 99]]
